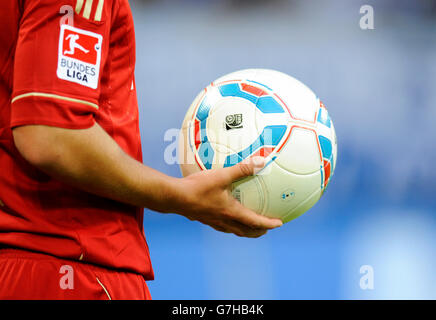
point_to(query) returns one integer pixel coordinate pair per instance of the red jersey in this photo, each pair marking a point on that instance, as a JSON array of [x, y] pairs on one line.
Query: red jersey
[[68, 64]]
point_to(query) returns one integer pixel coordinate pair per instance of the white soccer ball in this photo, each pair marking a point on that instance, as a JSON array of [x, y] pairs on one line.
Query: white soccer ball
[[266, 113]]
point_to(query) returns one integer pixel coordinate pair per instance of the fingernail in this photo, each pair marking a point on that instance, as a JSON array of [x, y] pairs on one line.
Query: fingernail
[[279, 223], [259, 163]]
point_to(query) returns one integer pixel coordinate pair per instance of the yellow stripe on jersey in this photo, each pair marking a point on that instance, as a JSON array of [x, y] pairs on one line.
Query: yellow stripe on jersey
[[88, 7], [104, 288], [79, 5], [99, 10], [54, 96]]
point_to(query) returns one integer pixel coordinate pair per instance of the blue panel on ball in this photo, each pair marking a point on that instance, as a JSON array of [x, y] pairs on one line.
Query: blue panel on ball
[[206, 154], [326, 147], [266, 104], [322, 177], [269, 105], [203, 110], [277, 133], [232, 159], [203, 133], [233, 90], [270, 136], [323, 117]]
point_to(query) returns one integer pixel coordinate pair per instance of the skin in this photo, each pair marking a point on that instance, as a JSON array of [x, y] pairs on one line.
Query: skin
[[91, 160]]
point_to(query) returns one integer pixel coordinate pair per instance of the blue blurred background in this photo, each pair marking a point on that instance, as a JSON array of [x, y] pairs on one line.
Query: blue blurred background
[[380, 89]]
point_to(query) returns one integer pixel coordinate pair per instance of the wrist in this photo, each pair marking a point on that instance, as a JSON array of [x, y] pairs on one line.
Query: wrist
[[176, 195]]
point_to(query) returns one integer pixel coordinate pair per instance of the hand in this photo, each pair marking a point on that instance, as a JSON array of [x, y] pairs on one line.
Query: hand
[[207, 198]]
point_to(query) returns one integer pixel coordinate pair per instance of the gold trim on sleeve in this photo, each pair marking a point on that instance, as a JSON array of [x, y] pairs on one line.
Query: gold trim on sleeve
[[54, 96]]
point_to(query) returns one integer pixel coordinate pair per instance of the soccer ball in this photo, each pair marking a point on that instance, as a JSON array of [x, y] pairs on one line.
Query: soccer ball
[[266, 113]]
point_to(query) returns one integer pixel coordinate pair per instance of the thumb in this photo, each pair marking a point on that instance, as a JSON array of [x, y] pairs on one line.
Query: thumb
[[246, 168]]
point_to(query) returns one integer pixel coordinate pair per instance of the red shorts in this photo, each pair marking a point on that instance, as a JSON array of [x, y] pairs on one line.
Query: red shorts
[[28, 275]]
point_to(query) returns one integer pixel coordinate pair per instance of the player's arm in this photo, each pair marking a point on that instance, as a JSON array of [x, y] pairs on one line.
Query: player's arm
[[91, 160]]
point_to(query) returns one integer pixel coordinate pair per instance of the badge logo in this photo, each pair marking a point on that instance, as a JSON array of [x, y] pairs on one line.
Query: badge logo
[[234, 121], [79, 56], [287, 195]]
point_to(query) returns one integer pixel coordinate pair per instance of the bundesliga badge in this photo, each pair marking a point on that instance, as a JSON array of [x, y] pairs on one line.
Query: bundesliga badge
[[79, 56]]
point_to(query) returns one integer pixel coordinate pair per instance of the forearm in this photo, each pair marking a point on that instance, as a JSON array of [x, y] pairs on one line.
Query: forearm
[[91, 160]]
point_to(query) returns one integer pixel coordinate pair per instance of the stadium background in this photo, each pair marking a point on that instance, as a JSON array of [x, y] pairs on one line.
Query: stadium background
[[380, 89]]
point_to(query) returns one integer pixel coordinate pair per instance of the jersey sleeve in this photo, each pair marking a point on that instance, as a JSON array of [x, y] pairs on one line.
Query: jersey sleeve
[[61, 52]]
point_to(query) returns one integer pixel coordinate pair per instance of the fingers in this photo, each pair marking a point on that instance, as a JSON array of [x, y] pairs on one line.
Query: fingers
[[244, 222], [245, 168], [238, 229], [252, 219], [251, 233], [242, 230]]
